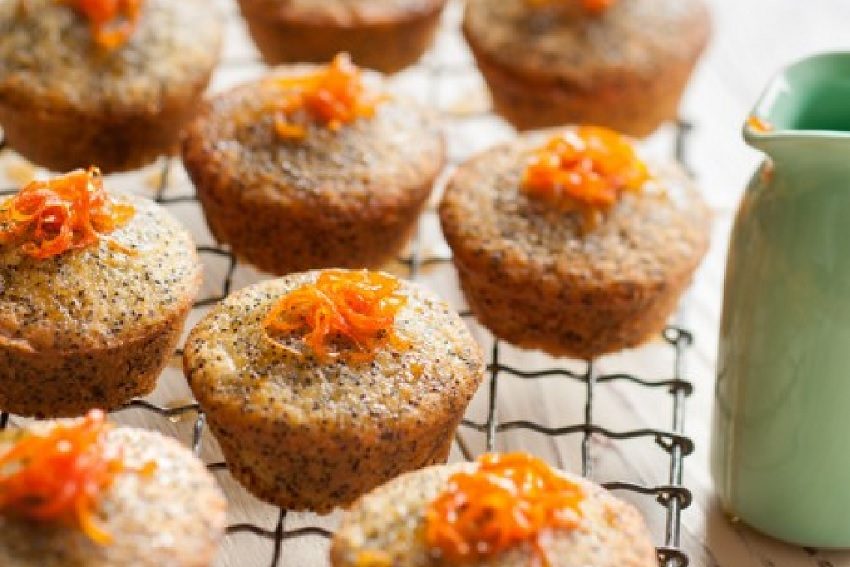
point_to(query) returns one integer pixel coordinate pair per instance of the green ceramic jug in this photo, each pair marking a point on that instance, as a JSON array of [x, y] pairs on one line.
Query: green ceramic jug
[[781, 447]]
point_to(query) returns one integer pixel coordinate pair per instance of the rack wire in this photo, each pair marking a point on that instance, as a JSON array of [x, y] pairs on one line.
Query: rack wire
[[673, 496]]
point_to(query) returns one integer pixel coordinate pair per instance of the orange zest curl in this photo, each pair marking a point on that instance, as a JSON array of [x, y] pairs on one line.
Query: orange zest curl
[[586, 169], [344, 315], [112, 21], [332, 96], [59, 476], [70, 212], [508, 500], [591, 6], [759, 125]]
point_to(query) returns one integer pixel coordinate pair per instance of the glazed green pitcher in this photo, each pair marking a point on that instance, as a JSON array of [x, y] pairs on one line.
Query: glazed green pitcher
[[781, 447]]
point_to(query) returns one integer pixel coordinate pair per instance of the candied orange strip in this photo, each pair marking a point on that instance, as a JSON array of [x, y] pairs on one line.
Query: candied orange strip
[[355, 308], [332, 96], [592, 6], [112, 21], [759, 125], [70, 212], [59, 476], [588, 168], [508, 500]]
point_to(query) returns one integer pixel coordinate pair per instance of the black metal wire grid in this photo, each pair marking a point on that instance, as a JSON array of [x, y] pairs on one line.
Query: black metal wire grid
[[673, 497]]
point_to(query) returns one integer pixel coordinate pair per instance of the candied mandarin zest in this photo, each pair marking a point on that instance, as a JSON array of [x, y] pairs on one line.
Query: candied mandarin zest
[[332, 96], [70, 212], [508, 500], [759, 125], [59, 476], [585, 169], [592, 6], [353, 310], [112, 21]]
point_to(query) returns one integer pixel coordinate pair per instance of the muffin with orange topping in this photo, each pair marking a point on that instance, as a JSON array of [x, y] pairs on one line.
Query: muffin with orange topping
[[387, 35], [618, 63], [106, 82], [314, 167], [508, 510], [569, 242], [94, 290], [322, 385], [82, 492]]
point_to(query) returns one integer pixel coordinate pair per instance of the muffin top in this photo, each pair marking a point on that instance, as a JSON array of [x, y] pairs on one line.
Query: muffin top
[[49, 58], [495, 226], [163, 508], [234, 364], [346, 13], [387, 527], [567, 42], [375, 159], [118, 289]]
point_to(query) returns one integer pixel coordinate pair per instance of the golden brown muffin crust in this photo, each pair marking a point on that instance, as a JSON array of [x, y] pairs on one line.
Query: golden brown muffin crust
[[348, 198], [48, 58], [558, 44], [310, 435], [100, 297], [361, 166], [534, 277], [390, 523], [230, 361], [495, 226], [173, 518]]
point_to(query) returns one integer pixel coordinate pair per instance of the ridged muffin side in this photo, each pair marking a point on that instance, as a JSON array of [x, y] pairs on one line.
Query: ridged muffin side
[[533, 275], [388, 526], [94, 328], [173, 517], [304, 434]]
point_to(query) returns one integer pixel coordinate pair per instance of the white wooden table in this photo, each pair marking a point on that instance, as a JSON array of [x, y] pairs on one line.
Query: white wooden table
[[753, 38]]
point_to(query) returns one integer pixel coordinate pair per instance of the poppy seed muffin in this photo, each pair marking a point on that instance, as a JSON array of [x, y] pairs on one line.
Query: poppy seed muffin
[[379, 34], [537, 277], [343, 197], [94, 326], [162, 509], [66, 101], [560, 63], [306, 433], [387, 528]]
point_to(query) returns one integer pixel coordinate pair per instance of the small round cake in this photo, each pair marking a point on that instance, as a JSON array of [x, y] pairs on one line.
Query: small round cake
[[617, 63], [322, 385], [314, 167], [94, 291], [387, 35], [106, 82], [477, 514], [568, 242], [81, 492]]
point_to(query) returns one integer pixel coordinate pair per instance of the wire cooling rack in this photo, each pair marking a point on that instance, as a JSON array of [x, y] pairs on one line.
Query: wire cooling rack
[[672, 497]]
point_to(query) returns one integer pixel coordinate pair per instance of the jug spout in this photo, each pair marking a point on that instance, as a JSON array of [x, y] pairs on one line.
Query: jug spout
[[805, 110]]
